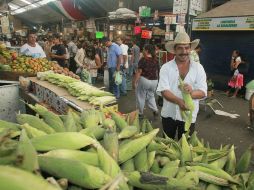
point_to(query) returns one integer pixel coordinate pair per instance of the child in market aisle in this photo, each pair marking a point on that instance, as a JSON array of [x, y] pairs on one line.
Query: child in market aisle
[[236, 81], [92, 63]]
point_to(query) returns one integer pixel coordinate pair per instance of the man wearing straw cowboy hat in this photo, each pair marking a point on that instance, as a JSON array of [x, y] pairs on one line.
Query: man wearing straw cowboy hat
[[194, 78]]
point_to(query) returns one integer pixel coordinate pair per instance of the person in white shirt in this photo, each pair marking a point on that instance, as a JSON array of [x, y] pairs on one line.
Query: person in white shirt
[[79, 57], [32, 48], [194, 78], [124, 65], [72, 49]]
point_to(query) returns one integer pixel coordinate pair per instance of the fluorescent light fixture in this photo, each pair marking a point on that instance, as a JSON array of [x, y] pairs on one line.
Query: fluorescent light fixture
[[12, 6], [25, 1], [16, 9]]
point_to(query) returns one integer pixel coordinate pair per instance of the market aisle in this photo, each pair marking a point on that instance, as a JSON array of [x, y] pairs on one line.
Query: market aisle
[[213, 128]]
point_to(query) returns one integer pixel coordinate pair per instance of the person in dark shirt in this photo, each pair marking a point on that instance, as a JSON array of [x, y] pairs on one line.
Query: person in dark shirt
[[58, 52], [146, 80]]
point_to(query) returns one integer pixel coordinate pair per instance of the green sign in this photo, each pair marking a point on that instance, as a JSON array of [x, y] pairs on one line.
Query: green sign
[[99, 35], [227, 23], [146, 12]]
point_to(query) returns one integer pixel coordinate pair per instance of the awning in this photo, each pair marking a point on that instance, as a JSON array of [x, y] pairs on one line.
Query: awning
[[233, 8]]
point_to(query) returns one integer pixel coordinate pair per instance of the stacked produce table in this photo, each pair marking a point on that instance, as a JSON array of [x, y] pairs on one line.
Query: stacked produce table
[[57, 97], [98, 151]]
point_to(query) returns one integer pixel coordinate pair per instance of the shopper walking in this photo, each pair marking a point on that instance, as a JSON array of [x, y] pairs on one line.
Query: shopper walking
[[114, 58], [58, 52], [124, 65], [146, 79], [32, 48], [194, 77], [72, 49]]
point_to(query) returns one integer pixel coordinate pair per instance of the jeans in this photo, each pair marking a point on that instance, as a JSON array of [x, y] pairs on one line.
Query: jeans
[[113, 88], [170, 127], [123, 86], [145, 94]]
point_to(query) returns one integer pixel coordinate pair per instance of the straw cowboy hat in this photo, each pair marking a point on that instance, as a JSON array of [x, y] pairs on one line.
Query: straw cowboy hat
[[181, 38]]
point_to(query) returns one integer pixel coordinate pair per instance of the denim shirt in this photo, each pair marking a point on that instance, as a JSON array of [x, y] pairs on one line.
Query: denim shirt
[[114, 51]]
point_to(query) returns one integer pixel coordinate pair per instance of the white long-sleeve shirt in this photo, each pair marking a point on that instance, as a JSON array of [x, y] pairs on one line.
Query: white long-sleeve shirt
[[79, 58], [169, 80]]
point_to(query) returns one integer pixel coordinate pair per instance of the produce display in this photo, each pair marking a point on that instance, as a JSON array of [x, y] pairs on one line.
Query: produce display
[[83, 91], [97, 151], [9, 61]]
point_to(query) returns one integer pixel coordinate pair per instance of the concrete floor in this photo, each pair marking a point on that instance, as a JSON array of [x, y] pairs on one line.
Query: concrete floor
[[213, 128]]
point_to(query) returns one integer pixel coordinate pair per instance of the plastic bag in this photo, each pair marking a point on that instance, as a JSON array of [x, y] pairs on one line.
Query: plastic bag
[[118, 78], [250, 85], [86, 76]]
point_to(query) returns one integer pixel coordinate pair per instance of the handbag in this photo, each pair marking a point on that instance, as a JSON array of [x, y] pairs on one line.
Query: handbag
[[118, 78]]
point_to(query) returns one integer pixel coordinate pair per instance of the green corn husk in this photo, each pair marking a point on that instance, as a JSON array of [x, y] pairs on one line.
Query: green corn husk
[[64, 140], [130, 149], [78, 173]]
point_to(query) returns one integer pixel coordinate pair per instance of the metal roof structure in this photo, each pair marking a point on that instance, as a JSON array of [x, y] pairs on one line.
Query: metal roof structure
[[231, 9], [42, 11]]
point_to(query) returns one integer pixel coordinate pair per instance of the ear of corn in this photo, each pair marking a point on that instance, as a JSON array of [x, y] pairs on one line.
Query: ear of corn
[[212, 179], [110, 166], [136, 122], [16, 179], [49, 117], [213, 187], [77, 120], [149, 126], [120, 122], [81, 156], [186, 152], [32, 132], [6, 124], [150, 158], [69, 124], [76, 172], [128, 165], [64, 140], [90, 118], [213, 170], [111, 144], [181, 172], [35, 122], [141, 161], [97, 132], [244, 162], [220, 163], [26, 154], [130, 149], [187, 115], [170, 169], [128, 132], [109, 124], [155, 168]]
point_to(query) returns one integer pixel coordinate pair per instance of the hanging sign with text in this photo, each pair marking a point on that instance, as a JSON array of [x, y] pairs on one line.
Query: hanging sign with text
[[226, 23]]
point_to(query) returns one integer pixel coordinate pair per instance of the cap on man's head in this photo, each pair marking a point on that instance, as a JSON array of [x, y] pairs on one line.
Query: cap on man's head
[[105, 39]]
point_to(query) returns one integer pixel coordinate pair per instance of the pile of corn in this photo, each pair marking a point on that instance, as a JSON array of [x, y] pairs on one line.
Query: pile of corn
[[89, 151], [83, 91]]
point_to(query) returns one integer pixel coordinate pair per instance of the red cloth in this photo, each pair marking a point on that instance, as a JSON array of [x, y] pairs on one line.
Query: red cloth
[[150, 68], [236, 82]]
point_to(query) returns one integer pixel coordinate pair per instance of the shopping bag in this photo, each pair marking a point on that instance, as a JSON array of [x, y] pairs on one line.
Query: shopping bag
[[86, 76], [118, 78], [106, 78]]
